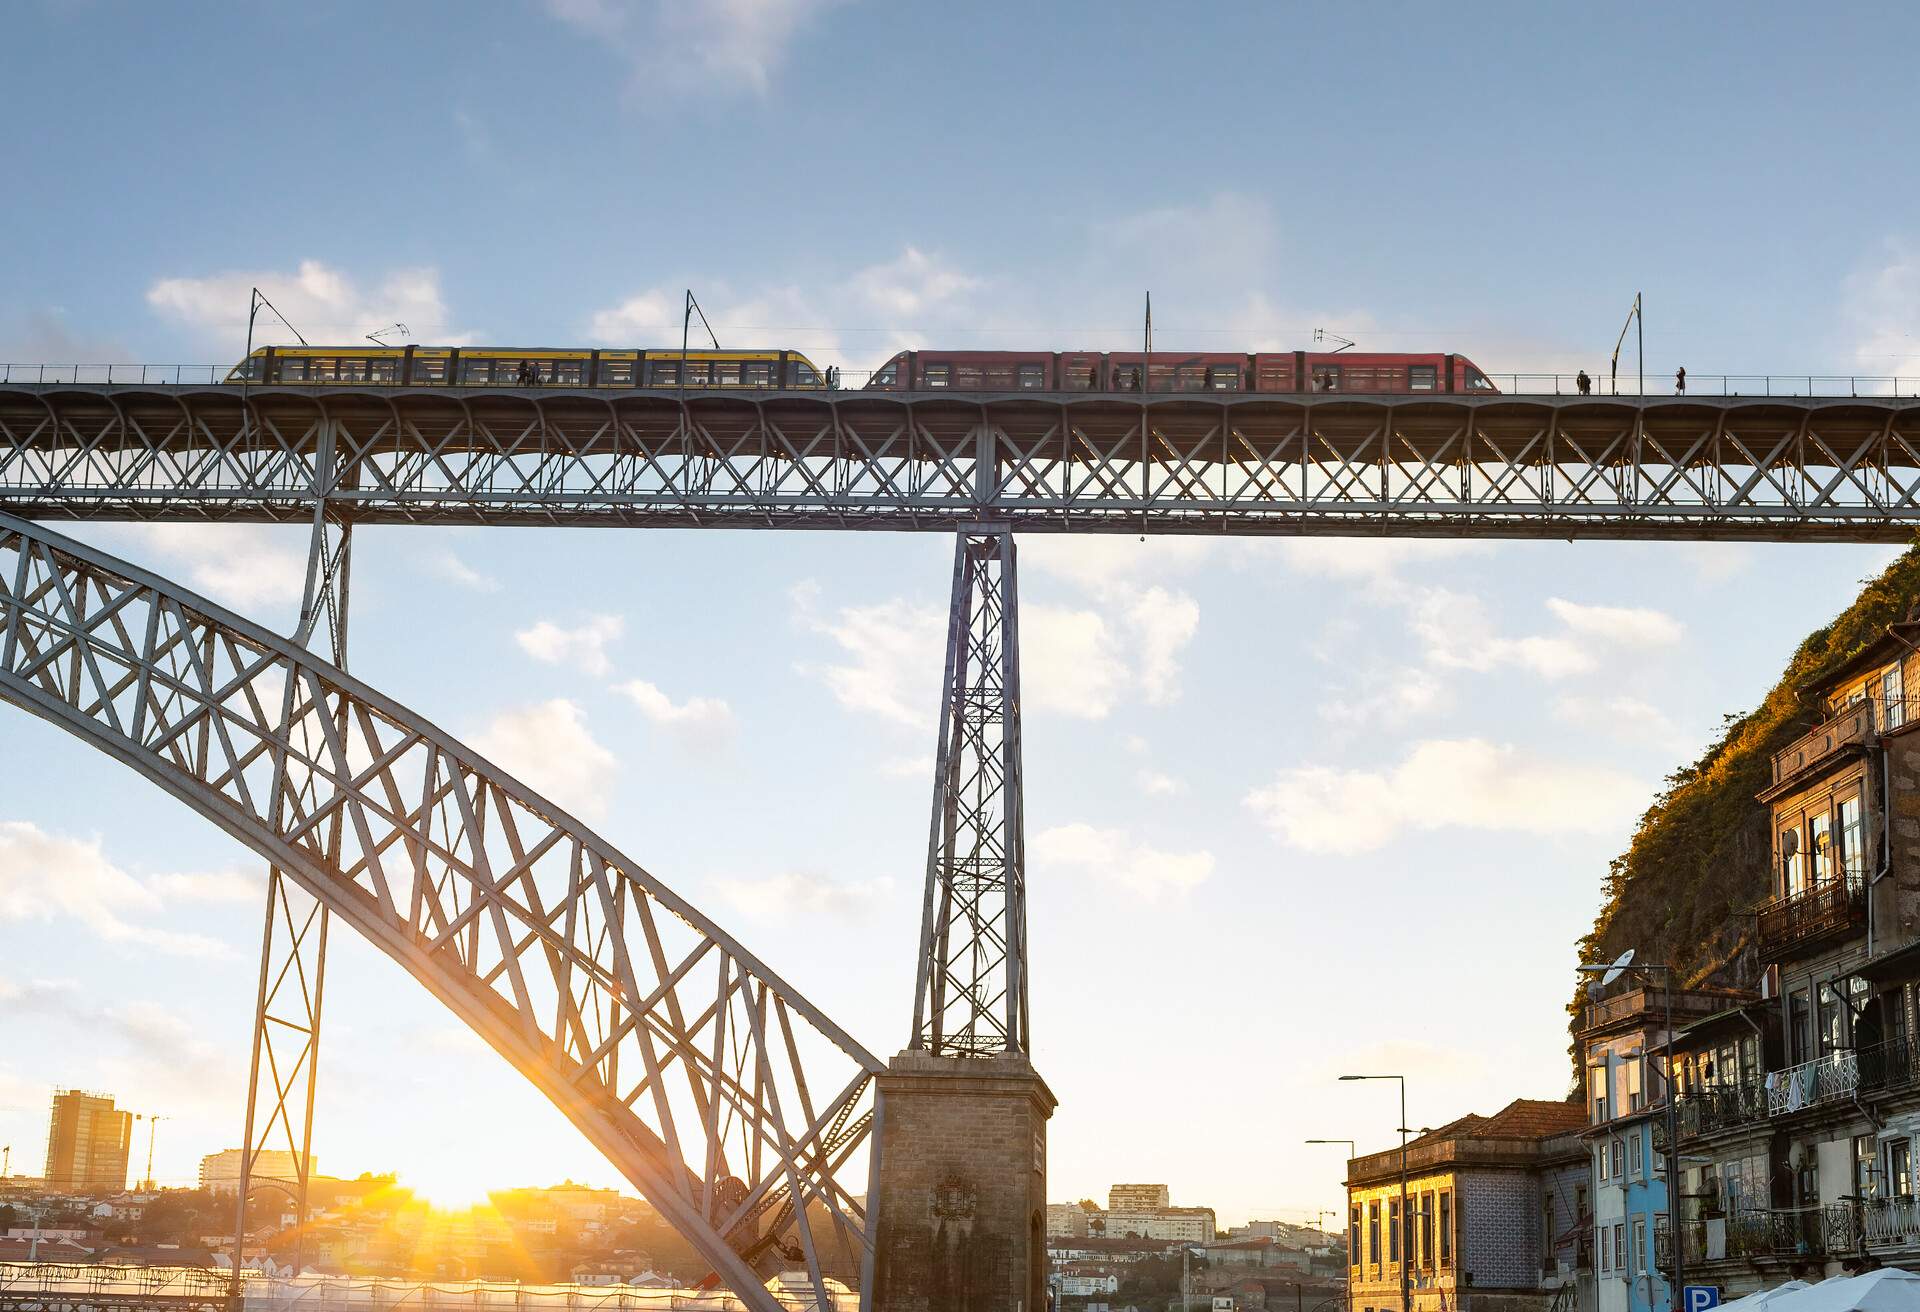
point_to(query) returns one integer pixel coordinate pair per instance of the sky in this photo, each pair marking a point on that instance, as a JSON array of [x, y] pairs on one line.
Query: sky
[[1294, 809]]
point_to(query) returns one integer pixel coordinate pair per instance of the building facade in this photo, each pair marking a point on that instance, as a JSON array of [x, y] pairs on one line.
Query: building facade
[[1138, 1198], [87, 1143], [1800, 1110], [1492, 1215], [220, 1172]]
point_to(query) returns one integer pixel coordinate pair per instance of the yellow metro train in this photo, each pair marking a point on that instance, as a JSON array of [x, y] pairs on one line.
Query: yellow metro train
[[523, 366]]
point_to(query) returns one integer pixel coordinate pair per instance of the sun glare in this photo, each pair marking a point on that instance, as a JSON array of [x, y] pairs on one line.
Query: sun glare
[[447, 1188]]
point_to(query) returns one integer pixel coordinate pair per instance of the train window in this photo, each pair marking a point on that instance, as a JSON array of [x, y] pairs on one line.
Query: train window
[[565, 373], [1033, 377], [997, 378], [1423, 377], [1326, 378], [616, 373], [1223, 377], [429, 371], [664, 373], [936, 375], [889, 375], [291, 371], [759, 373], [1477, 381], [726, 373], [801, 374], [1080, 374], [384, 371], [698, 374], [1126, 378], [475, 371], [968, 377]]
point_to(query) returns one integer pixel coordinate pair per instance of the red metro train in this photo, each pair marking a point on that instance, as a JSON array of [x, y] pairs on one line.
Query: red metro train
[[1121, 371]]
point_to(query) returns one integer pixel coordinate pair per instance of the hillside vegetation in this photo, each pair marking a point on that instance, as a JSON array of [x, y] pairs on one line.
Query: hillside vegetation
[[1685, 888]]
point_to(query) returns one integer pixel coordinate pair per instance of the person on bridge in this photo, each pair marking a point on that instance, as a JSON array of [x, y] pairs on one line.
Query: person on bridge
[[1584, 383], [1680, 381]]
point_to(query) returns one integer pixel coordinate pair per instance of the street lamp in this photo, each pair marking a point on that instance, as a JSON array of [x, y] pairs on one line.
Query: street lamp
[[1675, 1219], [1405, 1231], [1353, 1151]]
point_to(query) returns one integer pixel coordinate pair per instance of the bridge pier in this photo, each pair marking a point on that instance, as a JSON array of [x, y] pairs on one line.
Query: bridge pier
[[960, 1167]]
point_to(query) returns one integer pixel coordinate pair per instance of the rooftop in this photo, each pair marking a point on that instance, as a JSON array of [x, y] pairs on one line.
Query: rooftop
[[1512, 1136]]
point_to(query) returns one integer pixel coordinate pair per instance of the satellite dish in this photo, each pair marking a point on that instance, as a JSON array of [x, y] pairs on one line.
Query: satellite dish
[[1618, 968]]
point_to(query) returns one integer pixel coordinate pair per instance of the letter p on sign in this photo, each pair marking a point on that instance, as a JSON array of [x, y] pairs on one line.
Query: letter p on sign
[[1700, 1298]]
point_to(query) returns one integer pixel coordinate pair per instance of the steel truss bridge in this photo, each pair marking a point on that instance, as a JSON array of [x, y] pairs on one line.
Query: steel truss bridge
[[743, 1113], [1808, 468]]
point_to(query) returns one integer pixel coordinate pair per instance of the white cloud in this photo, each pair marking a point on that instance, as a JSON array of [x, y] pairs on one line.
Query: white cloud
[[444, 564], [893, 656], [1156, 783], [1116, 856], [1629, 625], [796, 893], [548, 745], [1386, 698], [46, 877], [210, 886], [241, 566], [323, 303], [1162, 624], [1376, 561], [584, 646], [1444, 783], [1626, 718], [911, 284], [703, 722], [1881, 302], [683, 45], [1071, 662]]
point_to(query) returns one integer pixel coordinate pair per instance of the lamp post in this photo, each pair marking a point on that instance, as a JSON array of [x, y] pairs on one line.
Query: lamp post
[[1353, 1151], [1678, 1281], [1404, 1231]]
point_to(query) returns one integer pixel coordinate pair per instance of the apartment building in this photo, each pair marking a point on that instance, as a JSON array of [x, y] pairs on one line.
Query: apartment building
[[1799, 1110], [1623, 1034], [1493, 1219], [88, 1139]]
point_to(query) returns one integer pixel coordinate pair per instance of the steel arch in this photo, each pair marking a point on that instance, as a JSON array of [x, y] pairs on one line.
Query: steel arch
[[736, 1106]]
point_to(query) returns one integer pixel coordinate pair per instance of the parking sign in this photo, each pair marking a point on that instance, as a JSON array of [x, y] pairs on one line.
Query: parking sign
[[1699, 1298]]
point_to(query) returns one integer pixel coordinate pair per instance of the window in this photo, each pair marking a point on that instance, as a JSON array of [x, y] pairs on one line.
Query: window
[[801, 374], [889, 375], [1446, 1227], [1326, 378], [1393, 1230], [1639, 1244], [1633, 1155], [1893, 1015], [1619, 1154], [1620, 1246], [1353, 1235], [1426, 1230], [759, 373], [1223, 378], [1033, 377], [1601, 1169], [1630, 1082], [727, 373], [936, 375], [1800, 1027], [1900, 1168], [1477, 381], [664, 373], [696, 373], [616, 373], [1864, 1174], [1850, 836], [1892, 698], [1789, 862], [1820, 842], [1833, 1022], [429, 369], [1597, 1080], [1423, 377], [1126, 378], [1605, 1249], [475, 371], [291, 371], [1373, 1233]]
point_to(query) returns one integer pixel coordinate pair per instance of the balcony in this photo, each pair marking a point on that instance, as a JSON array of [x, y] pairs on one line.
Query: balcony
[[1853, 725], [1832, 1078], [1747, 1233], [1727, 1107], [1890, 1222], [1835, 905]]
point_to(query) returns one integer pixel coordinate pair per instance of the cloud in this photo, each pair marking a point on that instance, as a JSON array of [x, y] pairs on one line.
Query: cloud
[[1155, 783], [209, 886], [1116, 856], [548, 745], [704, 722], [1881, 304], [43, 337], [46, 877], [892, 655], [911, 284], [1443, 783], [444, 564], [1458, 634], [322, 303], [584, 647], [797, 893], [242, 566], [1386, 697], [1625, 718], [682, 45]]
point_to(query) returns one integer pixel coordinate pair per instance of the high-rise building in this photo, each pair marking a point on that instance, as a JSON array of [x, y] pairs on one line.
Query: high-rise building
[[87, 1143], [1137, 1198], [220, 1172]]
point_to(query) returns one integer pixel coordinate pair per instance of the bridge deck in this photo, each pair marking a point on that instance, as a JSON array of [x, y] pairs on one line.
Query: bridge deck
[[1787, 468]]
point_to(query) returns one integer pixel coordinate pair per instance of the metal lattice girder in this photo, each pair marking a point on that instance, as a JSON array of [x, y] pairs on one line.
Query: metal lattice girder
[[970, 998], [736, 1107], [1801, 469]]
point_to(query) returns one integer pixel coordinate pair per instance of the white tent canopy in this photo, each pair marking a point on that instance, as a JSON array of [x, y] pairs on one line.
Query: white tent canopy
[[1886, 1290], [1765, 1298]]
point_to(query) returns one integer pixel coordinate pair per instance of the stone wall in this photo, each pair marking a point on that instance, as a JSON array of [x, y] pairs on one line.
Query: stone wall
[[961, 1195]]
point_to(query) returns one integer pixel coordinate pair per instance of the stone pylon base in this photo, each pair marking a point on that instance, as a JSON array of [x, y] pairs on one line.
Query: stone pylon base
[[961, 1187]]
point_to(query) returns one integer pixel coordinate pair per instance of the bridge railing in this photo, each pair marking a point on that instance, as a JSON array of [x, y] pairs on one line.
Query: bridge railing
[[852, 380]]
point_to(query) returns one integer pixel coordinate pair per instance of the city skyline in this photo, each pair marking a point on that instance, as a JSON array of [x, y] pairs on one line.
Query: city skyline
[[1240, 755]]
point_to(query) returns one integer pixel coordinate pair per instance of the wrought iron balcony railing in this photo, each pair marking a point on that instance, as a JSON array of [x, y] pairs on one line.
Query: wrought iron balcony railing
[[1723, 1107], [1889, 1222], [1853, 725], [1891, 1065], [1811, 1083], [1833, 904]]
